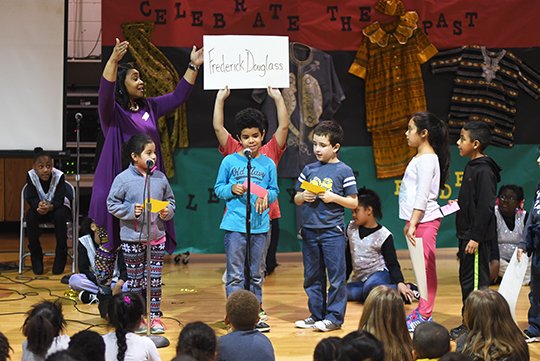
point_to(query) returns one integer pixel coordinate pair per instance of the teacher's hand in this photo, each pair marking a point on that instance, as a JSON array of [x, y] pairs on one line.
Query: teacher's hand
[[119, 50], [196, 56]]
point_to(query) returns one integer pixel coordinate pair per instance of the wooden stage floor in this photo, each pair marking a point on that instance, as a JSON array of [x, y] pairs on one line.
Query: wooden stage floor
[[194, 292]]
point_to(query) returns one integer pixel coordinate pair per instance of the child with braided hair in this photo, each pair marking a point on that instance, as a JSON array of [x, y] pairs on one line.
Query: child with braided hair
[[125, 315]]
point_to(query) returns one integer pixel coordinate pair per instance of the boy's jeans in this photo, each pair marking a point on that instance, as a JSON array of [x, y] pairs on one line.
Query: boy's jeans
[[235, 249], [323, 250]]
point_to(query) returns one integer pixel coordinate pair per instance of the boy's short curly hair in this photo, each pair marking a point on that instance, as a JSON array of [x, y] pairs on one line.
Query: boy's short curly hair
[[331, 129], [242, 309], [249, 118]]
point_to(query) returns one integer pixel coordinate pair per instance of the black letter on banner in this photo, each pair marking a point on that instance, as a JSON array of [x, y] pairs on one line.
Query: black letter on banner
[[179, 14], [145, 4], [292, 193], [259, 23], [428, 24], [274, 8], [345, 23], [457, 27], [442, 21], [364, 13], [332, 10], [240, 6], [212, 197], [471, 16], [219, 21], [190, 204], [293, 23], [160, 16], [197, 18]]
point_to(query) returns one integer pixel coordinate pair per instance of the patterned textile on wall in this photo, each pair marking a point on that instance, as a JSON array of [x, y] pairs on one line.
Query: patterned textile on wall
[[160, 77], [486, 88], [314, 94], [389, 60]]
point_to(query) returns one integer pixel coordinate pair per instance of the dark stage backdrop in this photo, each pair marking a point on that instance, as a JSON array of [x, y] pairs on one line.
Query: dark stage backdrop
[[335, 29]]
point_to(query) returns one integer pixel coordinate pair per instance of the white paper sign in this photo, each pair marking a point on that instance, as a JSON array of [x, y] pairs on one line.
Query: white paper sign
[[513, 279], [245, 61], [419, 266]]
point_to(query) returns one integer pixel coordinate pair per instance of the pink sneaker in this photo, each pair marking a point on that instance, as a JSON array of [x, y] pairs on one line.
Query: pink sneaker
[[157, 326], [142, 327]]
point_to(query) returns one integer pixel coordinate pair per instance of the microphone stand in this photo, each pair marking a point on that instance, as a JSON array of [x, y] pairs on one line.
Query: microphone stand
[[159, 341], [75, 241], [247, 264]]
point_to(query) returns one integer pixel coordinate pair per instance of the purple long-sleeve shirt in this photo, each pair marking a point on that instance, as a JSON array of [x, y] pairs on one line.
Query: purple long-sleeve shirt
[[118, 125]]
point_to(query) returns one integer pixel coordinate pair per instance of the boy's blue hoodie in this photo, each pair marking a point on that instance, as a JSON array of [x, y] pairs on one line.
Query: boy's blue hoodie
[[233, 170], [128, 189]]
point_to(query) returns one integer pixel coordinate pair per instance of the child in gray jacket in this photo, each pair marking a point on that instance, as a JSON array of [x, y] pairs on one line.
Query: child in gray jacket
[[126, 202]]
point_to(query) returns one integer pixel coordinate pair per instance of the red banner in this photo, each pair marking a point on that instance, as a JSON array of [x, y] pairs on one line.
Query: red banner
[[326, 25]]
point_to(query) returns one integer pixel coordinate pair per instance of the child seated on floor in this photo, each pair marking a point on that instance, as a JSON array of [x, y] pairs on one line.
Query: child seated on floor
[[374, 259], [85, 282], [197, 340], [244, 343], [430, 341]]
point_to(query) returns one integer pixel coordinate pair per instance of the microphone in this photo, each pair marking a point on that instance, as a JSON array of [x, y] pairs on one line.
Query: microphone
[[149, 164], [247, 153], [78, 117]]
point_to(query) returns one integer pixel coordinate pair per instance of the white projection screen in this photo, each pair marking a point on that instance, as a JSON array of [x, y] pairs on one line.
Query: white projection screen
[[32, 58]]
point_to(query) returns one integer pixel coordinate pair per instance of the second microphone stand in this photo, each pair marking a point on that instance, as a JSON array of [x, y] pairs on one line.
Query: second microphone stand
[[247, 264], [159, 341]]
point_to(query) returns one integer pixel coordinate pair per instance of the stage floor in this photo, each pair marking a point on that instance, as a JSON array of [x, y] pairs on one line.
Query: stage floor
[[194, 292]]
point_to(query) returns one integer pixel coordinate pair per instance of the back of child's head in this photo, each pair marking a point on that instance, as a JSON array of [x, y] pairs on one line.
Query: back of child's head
[[249, 118], [242, 309], [359, 346], [44, 321], [384, 316], [492, 330], [5, 348], [184, 358], [455, 356], [135, 145], [124, 314], [431, 340], [88, 343], [327, 349], [479, 131], [437, 136], [66, 355], [86, 226], [198, 340], [369, 198], [330, 129]]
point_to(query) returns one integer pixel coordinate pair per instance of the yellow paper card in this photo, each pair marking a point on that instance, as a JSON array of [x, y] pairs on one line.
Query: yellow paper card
[[313, 188], [157, 205]]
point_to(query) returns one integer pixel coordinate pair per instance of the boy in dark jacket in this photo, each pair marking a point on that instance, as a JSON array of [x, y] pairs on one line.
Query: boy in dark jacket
[[475, 221]]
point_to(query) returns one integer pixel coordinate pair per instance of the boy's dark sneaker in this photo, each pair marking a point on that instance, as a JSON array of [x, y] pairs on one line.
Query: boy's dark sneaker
[[529, 337], [262, 326], [457, 331], [308, 322], [88, 297], [414, 288]]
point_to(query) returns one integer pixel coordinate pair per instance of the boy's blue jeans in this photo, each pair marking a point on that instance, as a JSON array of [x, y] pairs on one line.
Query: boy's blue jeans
[[534, 299], [323, 251], [235, 249], [359, 290]]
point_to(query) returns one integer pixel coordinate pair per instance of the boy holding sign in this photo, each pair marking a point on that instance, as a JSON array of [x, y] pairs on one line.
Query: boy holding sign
[[231, 186], [324, 189]]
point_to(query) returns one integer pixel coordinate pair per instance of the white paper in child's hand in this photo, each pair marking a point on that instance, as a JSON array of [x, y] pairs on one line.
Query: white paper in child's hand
[[449, 208]]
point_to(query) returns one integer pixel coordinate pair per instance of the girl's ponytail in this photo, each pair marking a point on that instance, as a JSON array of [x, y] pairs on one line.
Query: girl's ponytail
[[43, 323]]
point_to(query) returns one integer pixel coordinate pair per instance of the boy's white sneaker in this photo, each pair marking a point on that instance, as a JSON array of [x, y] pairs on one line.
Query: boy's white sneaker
[[308, 322], [326, 325]]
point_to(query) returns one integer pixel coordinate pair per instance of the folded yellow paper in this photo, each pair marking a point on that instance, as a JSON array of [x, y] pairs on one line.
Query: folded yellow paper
[[157, 205], [313, 188]]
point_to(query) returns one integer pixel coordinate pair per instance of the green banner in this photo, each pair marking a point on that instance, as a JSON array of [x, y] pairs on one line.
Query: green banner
[[199, 211]]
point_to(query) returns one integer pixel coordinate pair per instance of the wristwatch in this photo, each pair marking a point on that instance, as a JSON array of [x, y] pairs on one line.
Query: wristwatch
[[193, 67]]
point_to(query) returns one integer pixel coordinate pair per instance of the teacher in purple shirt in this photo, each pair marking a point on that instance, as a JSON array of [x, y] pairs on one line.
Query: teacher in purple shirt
[[123, 112]]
